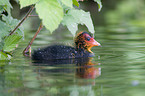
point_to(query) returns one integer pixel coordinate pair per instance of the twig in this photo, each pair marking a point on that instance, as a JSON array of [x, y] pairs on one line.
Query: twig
[[80, 0], [30, 10], [26, 50], [33, 15]]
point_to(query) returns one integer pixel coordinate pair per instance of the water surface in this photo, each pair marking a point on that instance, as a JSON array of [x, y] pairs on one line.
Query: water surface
[[117, 69]]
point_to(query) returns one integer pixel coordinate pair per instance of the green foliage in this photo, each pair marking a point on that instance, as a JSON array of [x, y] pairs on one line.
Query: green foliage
[[1, 9], [75, 2], [5, 2], [10, 42], [99, 4], [25, 3], [67, 3], [51, 13], [5, 5], [7, 24], [75, 17], [7, 45], [4, 30], [11, 24], [4, 56]]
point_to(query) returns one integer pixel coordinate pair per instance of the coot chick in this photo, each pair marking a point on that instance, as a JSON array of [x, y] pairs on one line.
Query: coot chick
[[83, 44]]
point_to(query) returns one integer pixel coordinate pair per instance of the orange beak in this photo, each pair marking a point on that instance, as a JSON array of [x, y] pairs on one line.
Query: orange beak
[[91, 44]]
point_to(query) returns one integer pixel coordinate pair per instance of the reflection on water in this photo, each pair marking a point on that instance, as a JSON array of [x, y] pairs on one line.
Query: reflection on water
[[87, 70], [82, 73], [84, 67], [117, 69]]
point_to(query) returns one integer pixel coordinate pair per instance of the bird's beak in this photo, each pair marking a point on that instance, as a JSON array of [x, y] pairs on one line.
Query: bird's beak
[[95, 43], [92, 44]]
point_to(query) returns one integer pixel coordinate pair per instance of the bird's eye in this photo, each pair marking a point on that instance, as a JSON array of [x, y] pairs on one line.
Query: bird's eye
[[88, 39]]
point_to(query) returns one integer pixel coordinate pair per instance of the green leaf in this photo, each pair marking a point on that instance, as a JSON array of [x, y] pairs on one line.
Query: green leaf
[[8, 25], [10, 42], [6, 5], [5, 2], [75, 2], [99, 4], [71, 24], [67, 3], [75, 17], [4, 30], [25, 3], [8, 9], [4, 56], [1, 44], [1, 9], [50, 12], [12, 23]]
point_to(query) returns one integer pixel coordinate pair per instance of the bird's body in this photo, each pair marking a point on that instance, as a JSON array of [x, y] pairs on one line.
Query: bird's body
[[59, 52], [81, 49]]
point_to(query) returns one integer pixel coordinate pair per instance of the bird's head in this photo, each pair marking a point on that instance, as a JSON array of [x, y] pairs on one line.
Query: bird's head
[[85, 41]]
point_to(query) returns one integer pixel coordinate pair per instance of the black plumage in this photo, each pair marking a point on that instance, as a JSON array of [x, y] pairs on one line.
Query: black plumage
[[83, 44], [59, 52]]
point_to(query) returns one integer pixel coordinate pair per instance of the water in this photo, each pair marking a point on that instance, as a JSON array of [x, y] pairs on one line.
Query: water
[[117, 69]]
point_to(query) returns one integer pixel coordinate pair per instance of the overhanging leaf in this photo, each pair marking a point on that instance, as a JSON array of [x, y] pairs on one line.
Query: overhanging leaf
[[4, 30], [4, 56], [6, 5], [71, 24], [25, 3], [1, 43], [75, 2], [10, 42], [67, 3], [50, 12], [75, 17], [12, 23], [8, 9], [5, 2], [1, 9], [99, 4]]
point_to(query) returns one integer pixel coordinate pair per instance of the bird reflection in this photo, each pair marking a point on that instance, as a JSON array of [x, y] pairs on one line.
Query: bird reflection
[[87, 70], [84, 68]]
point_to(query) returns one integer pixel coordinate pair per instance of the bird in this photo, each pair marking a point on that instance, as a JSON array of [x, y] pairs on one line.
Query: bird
[[83, 43]]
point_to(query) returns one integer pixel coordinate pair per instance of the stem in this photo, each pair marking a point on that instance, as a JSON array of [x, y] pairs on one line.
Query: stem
[[24, 18], [80, 0], [33, 15], [26, 50]]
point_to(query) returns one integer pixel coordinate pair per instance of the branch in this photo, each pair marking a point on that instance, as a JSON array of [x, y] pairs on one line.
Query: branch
[[33, 15], [80, 0], [26, 50], [24, 18]]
